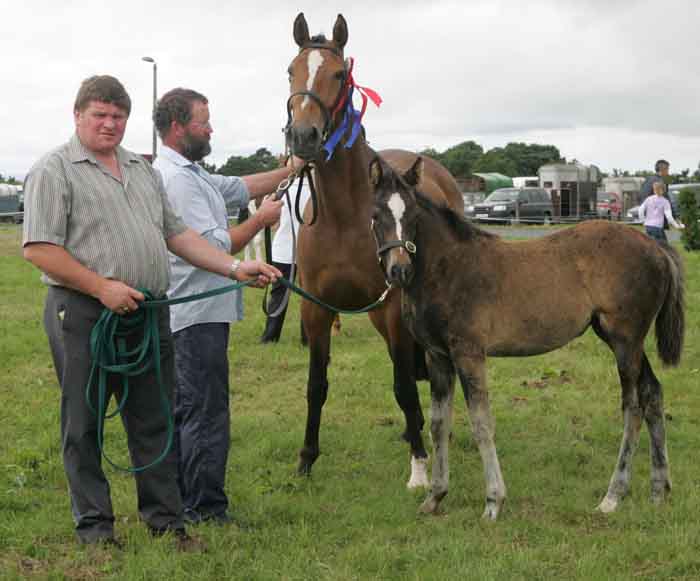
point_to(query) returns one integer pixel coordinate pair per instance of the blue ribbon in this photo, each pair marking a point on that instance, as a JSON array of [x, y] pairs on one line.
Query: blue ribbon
[[351, 118]]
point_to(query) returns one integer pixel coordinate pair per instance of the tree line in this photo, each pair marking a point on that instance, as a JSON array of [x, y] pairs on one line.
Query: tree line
[[462, 160]]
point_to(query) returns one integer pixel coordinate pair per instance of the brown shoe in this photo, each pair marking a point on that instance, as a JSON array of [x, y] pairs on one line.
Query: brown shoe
[[188, 544]]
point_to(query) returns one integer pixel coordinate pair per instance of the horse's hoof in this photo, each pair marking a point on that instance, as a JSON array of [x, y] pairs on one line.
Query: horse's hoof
[[608, 505], [430, 506], [419, 474], [491, 510], [660, 491]]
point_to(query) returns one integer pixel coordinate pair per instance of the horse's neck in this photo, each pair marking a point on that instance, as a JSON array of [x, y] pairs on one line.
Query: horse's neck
[[435, 238], [343, 184]]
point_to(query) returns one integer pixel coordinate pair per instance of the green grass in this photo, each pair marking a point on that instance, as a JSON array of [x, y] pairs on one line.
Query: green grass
[[354, 518]]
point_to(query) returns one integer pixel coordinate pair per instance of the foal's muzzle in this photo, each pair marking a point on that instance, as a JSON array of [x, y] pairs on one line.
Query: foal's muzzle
[[396, 262]]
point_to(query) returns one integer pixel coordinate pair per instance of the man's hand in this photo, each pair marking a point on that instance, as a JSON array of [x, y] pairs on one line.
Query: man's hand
[[119, 297], [261, 272], [269, 211]]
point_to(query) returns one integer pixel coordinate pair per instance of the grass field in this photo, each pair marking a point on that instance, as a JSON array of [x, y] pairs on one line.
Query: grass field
[[558, 429]]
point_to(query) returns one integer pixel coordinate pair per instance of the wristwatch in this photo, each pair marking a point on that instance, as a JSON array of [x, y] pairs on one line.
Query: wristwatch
[[234, 267]]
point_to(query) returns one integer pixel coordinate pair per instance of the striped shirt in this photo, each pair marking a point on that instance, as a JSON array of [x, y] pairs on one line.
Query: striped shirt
[[115, 228]]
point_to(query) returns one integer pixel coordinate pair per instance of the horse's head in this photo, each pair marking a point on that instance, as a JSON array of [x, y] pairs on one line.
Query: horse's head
[[395, 218], [317, 86]]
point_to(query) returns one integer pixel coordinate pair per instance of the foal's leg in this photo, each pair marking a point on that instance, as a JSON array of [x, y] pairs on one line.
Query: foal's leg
[[472, 376], [441, 390], [628, 366], [402, 350], [317, 323], [651, 401]]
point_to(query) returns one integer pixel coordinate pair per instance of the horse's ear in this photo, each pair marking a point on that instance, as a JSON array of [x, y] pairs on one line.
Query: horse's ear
[[340, 31], [375, 171], [301, 30], [415, 173]]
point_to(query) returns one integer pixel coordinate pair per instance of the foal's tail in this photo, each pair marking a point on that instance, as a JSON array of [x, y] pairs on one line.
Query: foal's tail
[[670, 322]]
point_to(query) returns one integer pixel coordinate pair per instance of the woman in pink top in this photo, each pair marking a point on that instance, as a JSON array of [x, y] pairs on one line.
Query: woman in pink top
[[653, 210]]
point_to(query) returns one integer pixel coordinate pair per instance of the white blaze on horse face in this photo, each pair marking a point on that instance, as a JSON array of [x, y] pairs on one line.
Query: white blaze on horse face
[[397, 207], [314, 63]]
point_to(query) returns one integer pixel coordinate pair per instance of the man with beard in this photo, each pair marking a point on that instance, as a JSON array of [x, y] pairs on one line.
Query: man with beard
[[201, 329]]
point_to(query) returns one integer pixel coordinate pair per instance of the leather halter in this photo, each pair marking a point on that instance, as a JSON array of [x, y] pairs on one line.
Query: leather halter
[[328, 113], [409, 246]]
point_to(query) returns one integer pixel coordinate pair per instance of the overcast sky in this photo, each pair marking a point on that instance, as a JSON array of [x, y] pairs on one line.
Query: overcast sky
[[610, 82]]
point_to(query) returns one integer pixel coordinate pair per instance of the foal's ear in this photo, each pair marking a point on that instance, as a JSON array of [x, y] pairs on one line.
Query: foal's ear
[[415, 172], [301, 30], [340, 31], [375, 171]]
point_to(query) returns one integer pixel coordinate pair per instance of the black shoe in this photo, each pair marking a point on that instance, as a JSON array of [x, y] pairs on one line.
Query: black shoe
[[183, 542], [188, 544], [106, 542]]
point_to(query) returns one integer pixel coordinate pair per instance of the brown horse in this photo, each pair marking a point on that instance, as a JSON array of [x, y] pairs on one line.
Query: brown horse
[[468, 295], [337, 258]]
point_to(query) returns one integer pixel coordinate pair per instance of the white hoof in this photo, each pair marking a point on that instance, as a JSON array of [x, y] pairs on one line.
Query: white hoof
[[419, 474], [492, 509], [608, 505]]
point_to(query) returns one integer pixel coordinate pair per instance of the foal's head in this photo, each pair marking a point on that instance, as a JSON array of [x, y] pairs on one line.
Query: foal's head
[[316, 84], [394, 219]]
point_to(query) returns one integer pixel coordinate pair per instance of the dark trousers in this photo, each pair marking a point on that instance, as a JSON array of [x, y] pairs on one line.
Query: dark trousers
[[203, 424], [273, 325], [656, 233], [68, 319]]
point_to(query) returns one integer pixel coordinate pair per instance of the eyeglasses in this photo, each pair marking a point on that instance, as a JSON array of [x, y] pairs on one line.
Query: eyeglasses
[[206, 125]]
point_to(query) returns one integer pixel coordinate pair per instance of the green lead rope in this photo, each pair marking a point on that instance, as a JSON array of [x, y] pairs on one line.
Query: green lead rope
[[109, 352]]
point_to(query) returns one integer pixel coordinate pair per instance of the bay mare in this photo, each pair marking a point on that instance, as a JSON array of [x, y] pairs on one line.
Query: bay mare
[[336, 255], [468, 295]]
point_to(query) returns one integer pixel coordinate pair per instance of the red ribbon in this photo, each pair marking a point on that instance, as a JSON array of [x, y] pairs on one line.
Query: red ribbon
[[365, 92]]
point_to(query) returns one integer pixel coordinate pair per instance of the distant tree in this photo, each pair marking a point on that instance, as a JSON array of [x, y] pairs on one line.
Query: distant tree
[[529, 157], [696, 174], [261, 160], [496, 160], [689, 216], [459, 159], [430, 152], [8, 180], [210, 167]]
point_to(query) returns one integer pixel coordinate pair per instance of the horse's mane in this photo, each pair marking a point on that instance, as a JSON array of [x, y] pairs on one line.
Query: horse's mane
[[319, 39], [462, 227]]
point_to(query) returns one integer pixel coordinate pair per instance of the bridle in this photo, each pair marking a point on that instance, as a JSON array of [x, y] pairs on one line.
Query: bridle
[[407, 245], [328, 113]]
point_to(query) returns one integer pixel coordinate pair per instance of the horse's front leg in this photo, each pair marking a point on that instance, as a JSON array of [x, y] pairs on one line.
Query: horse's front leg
[[472, 376], [402, 349], [441, 390], [316, 322]]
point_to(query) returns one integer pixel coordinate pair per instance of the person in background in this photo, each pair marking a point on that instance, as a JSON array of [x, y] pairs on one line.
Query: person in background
[[283, 257], [99, 226], [201, 330], [653, 211]]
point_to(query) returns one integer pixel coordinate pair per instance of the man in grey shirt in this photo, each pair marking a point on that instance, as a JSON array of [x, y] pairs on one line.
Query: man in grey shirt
[[98, 224], [201, 331]]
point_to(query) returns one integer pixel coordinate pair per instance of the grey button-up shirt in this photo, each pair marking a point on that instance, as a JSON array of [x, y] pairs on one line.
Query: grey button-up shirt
[[116, 229], [201, 199]]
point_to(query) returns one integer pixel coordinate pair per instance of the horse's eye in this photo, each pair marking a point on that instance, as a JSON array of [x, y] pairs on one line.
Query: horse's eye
[[340, 75]]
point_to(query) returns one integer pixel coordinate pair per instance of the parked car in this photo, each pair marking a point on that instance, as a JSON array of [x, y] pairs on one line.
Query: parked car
[[674, 191], [609, 205], [533, 205]]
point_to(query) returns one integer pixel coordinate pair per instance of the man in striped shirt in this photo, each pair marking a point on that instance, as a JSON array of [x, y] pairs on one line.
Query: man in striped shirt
[[99, 226]]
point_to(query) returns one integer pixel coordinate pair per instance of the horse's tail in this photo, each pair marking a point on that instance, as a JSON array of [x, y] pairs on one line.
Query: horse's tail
[[670, 322]]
